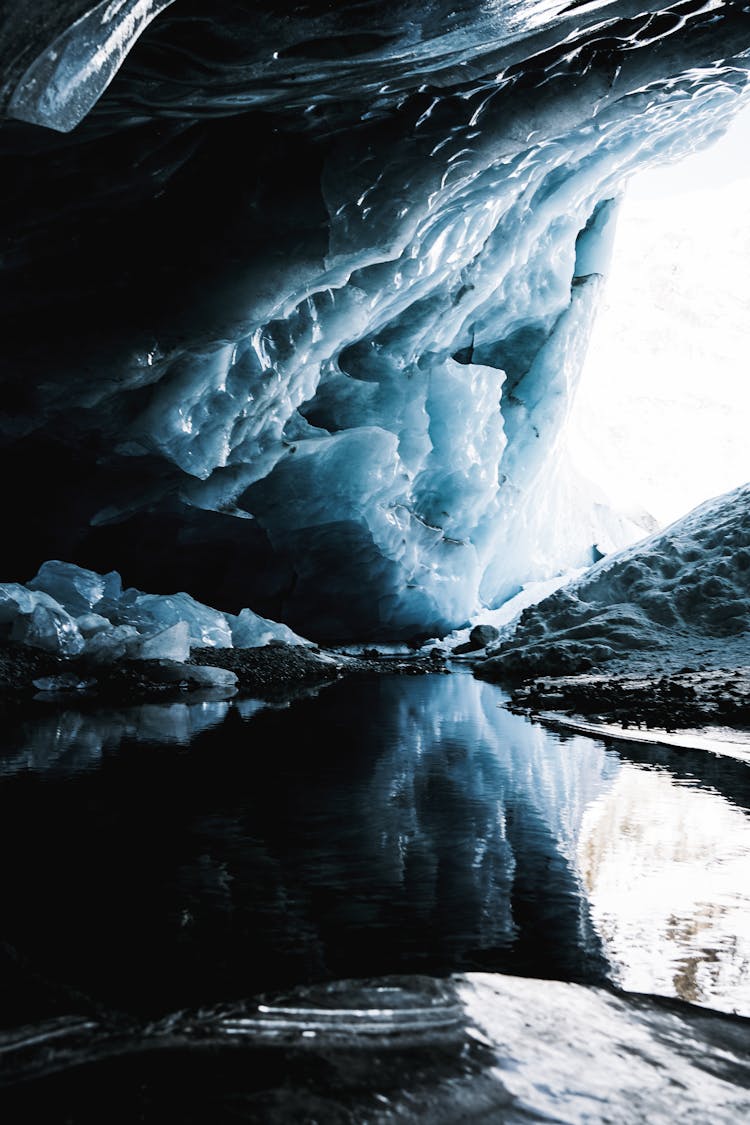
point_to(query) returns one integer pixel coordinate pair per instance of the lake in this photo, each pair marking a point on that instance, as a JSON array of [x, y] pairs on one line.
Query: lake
[[166, 856]]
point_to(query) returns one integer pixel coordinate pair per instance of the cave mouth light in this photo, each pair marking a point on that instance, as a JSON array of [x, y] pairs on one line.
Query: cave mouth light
[[660, 421]]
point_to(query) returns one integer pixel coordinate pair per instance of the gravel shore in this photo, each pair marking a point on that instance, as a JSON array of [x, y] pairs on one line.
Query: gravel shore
[[276, 669], [689, 698]]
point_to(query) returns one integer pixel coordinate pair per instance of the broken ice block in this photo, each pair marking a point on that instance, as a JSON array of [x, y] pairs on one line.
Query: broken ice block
[[91, 623], [76, 589], [48, 627], [206, 627], [172, 643], [110, 644], [196, 675], [14, 600], [251, 631]]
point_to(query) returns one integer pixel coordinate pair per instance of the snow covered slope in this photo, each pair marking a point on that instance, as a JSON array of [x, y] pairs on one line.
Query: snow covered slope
[[681, 595]]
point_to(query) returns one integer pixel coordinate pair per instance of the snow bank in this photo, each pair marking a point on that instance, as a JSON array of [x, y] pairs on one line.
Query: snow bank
[[680, 594]]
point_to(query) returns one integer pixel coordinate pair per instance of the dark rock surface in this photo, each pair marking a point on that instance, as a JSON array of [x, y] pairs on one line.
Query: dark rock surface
[[690, 698], [472, 1048], [479, 637]]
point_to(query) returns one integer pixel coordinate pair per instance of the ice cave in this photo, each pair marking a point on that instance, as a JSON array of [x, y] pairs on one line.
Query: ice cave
[[296, 301]]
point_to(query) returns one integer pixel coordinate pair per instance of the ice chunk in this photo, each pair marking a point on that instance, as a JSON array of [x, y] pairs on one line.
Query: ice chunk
[[206, 627], [196, 675], [14, 601], [202, 675], [172, 643], [35, 618], [108, 645], [48, 627], [75, 588], [91, 623], [251, 631]]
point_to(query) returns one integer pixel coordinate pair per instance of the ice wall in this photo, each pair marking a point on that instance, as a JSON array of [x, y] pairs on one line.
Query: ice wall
[[316, 288]]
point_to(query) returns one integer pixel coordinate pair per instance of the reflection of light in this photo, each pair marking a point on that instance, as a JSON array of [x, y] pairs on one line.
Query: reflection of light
[[666, 870], [660, 420]]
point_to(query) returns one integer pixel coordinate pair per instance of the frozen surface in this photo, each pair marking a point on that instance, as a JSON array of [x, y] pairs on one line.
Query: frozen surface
[[73, 55], [333, 387], [680, 596], [112, 623]]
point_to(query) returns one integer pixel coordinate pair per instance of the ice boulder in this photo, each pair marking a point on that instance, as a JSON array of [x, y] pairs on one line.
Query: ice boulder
[[47, 626], [75, 588], [207, 628], [172, 643], [110, 644], [195, 675], [251, 631], [14, 601], [92, 623]]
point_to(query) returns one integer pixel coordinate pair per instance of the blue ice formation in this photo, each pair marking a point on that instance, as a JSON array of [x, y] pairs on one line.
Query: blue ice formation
[[70, 611], [69, 53], [339, 268]]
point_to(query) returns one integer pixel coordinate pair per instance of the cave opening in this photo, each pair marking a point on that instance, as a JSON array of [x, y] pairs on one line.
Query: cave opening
[[661, 411], [361, 759]]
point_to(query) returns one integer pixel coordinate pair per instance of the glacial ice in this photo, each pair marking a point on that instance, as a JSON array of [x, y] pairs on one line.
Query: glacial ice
[[113, 623], [248, 630], [75, 65], [79, 590], [204, 626], [48, 626], [331, 385]]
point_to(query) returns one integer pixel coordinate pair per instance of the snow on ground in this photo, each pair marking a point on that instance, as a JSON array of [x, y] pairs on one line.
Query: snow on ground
[[679, 597]]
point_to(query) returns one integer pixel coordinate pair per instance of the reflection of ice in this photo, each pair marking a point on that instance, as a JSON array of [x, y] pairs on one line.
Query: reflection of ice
[[473, 805], [387, 824], [666, 867], [73, 740], [581, 1055]]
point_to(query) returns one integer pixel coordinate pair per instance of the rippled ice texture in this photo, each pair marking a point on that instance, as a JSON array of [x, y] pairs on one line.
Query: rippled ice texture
[[372, 373]]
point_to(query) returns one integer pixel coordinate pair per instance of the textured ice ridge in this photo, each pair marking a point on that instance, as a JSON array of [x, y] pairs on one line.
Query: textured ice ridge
[[70, 611], [343, 325]]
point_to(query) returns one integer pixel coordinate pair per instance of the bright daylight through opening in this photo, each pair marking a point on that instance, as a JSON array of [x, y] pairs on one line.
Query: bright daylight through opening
[[660, 421]]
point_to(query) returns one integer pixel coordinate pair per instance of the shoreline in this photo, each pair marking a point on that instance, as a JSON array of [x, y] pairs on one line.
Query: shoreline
[[272, 671], [639, 701], [686, 707]]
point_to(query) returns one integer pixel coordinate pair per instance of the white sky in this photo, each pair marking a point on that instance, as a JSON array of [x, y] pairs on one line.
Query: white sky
[[662, 417]]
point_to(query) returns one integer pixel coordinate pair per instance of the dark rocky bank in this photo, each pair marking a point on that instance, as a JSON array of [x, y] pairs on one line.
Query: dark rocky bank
[[687, 699], [269, 671]]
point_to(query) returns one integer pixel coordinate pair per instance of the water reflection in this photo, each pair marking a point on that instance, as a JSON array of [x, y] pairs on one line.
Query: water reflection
[[167, 856], [666, 870], [70, 740]]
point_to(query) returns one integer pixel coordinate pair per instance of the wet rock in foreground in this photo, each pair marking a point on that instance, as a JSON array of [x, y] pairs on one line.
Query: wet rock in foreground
[[474, 1047]]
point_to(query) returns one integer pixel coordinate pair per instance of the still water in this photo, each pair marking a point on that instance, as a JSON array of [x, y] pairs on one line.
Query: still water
[[169, 856]]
